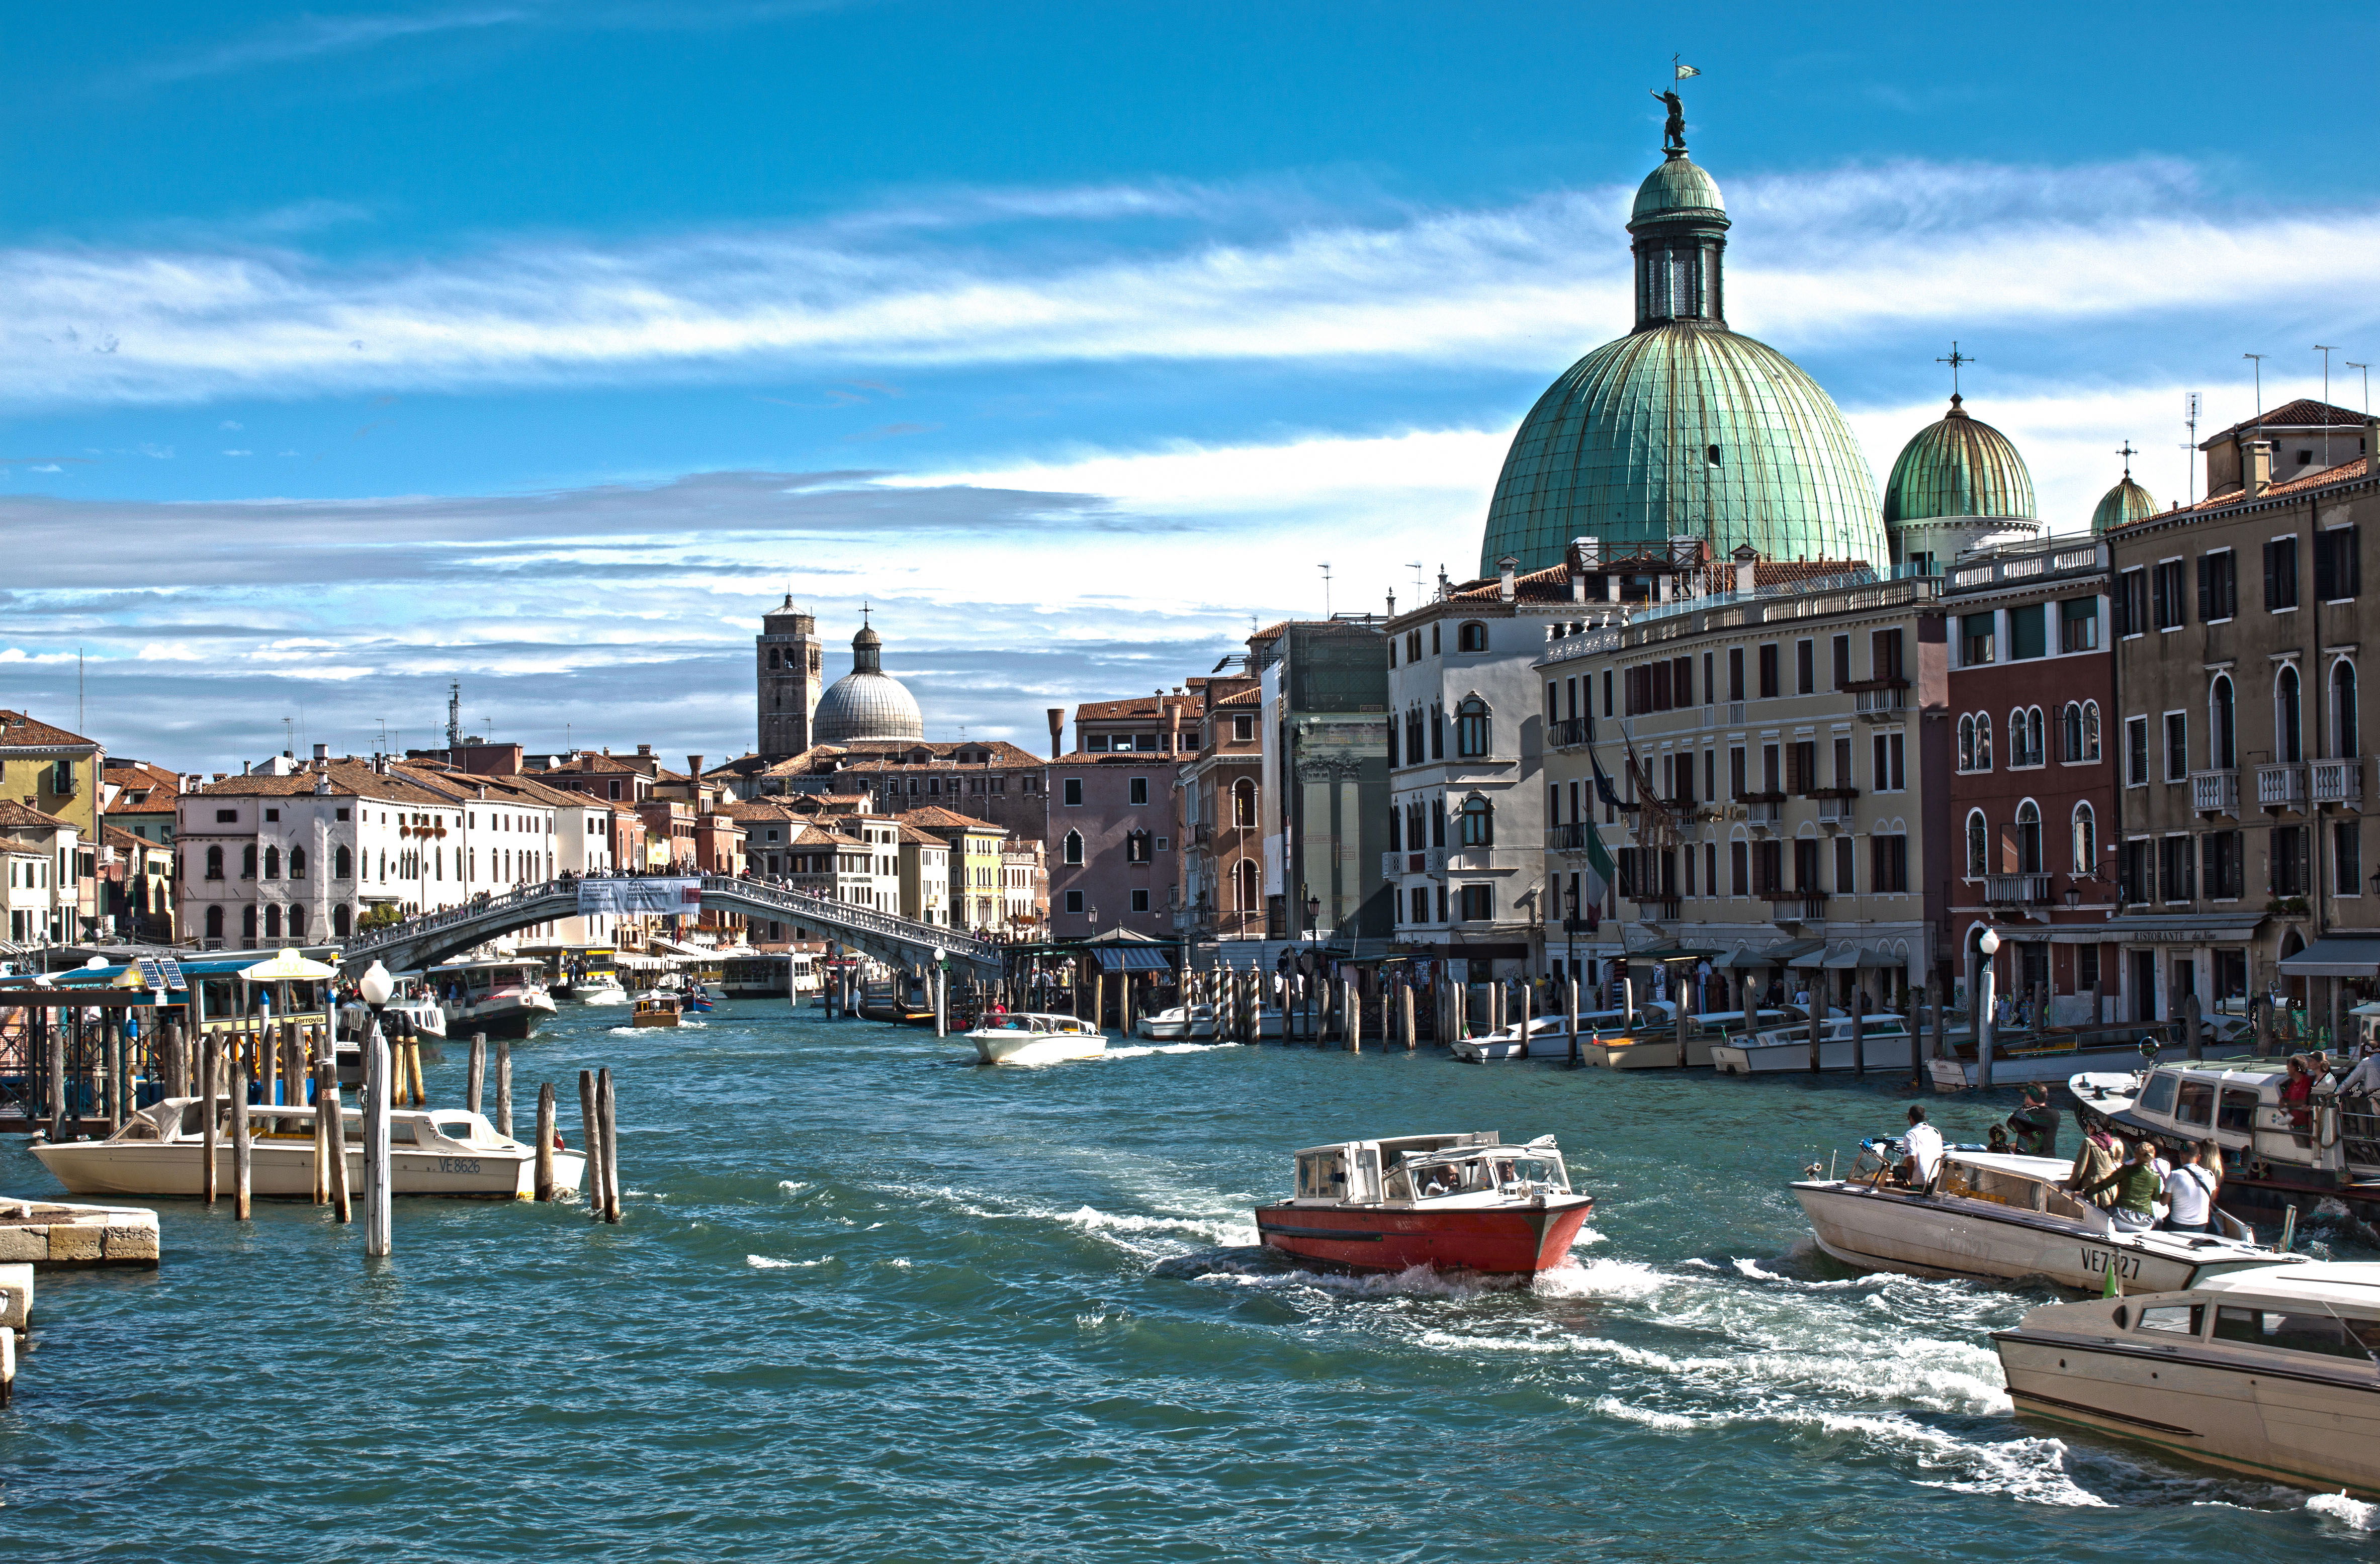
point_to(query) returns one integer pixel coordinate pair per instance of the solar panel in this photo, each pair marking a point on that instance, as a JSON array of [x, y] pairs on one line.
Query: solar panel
[[161, 974]]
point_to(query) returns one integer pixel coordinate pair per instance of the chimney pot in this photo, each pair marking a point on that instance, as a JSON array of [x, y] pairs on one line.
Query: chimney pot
[[2258, 470], [1057, 730], [1508, 568]]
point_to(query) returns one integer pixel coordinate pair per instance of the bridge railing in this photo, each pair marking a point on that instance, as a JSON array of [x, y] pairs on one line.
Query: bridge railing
[[394, 934], [815, 908]]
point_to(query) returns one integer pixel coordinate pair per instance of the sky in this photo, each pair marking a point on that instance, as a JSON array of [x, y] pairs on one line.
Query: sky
[[354, 351]]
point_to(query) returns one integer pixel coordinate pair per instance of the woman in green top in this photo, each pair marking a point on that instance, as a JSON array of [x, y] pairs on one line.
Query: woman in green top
[[2137, 1185]]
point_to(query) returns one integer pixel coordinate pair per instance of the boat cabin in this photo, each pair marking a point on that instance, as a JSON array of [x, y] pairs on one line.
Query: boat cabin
[[1880, 1024], [470, 983], [183, 1119], [1426, 1169], [2237, 1104]]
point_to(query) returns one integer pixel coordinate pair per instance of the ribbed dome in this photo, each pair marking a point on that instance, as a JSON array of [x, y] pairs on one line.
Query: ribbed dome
[[867, 702], [1684, 429], [1956, 466], [1679, 187], [2126, 502]]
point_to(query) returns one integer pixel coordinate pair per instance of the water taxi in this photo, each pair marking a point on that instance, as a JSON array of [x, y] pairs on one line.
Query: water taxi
[[2004, 1217], [659, 1010], [410, 1001], [1181, 1024], [1653, 1043], [504, 998], [1453, 1202], [2272, 1161], [161, 1150], [1886, 1044], [2269, 1371], [1030, 1038]]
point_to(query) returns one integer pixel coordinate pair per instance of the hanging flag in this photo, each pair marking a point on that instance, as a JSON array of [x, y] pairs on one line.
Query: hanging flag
[[1684, 69], [1603, 788]]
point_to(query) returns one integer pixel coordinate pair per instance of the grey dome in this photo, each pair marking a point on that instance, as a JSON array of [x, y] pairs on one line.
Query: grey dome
[[867, 702]]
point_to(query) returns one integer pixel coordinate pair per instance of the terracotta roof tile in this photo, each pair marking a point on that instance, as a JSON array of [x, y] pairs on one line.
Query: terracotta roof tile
[[2303, 413], [2233, 494], [14, 815], [1147, 706], [16, 728], [935, 818]]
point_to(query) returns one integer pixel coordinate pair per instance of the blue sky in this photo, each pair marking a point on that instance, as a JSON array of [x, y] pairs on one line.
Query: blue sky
[[354, 349]]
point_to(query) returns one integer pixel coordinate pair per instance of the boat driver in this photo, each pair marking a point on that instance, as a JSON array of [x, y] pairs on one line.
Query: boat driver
[[1922, 1148]]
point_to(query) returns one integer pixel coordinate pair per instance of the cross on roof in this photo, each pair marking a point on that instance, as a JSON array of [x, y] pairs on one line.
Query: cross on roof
[[2128, 454], [1954, 359]]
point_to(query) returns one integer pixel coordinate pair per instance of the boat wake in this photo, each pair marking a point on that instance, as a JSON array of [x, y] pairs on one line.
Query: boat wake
[[763, 1263], [1142, 1051], [2353, 1514]]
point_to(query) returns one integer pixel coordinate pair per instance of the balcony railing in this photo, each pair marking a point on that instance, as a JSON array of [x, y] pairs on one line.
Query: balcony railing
[[1883, 699], [2339, 782], [1835, 806], [2017, 889], [1568, 733], [1795, 893], [1735, 714], [1767, 811], [1655, 906], [1571, 838], [2281, 787], [2215, 792]]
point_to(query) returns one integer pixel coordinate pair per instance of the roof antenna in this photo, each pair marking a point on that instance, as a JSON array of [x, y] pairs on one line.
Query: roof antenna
[[2259, 358], [2326, 350], [1325, 568], [2190, 417]]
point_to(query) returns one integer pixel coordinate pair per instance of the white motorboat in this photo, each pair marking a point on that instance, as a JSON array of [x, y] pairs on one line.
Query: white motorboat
[[1781, 1049], [2274, 1161], [503, 999], [407, 1002], [1991, 1214], [1491, 1047], [161, 1150], [2270, 1371], [602, 989], [1182, 1023], [1031, 1038]]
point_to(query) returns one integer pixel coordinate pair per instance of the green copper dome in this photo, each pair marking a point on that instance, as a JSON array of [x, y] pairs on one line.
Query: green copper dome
[[2127, 501], [1682, 427], [1956, 466]]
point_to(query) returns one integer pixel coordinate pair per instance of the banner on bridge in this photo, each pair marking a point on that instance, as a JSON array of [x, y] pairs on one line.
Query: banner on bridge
[[619, 898]]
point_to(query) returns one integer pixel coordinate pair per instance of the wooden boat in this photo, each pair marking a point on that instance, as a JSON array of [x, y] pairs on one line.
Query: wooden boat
[[2003, 1217], [660, 1009], [1453, 1202], [1887, 1043], [161, 1150], [1030, 1038], [2269, 1372]]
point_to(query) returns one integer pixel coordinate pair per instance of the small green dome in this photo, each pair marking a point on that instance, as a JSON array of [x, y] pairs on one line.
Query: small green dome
[[2127, 501], [1959, 466], [1678, 189], [1684, 429]]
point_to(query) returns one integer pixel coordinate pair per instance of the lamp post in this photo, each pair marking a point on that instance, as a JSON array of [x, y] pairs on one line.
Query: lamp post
[[376, 987], [1989, 944]]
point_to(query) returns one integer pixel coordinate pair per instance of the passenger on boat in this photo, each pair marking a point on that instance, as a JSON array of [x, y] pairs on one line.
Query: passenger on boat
[[2034, 1126], [1922, 1148], [2297, 1095], [1995, 1140], [2099, 1154], [2190, 1191], [2365, 1079], [2137, 1184]]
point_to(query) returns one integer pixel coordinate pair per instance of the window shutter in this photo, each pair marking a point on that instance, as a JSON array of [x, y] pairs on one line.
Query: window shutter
[[2323, 583], [2206, 588]]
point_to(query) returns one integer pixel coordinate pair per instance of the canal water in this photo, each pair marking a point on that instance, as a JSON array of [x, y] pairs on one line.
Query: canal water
[[872, 1302]]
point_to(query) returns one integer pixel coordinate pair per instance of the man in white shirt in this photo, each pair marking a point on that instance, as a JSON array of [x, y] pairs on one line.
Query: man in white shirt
[[1923, 1150], [2364, 1078], [2190, 1195]]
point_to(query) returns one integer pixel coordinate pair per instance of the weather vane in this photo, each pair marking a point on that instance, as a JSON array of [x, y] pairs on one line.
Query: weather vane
[[1673, 133], [1954, 361]]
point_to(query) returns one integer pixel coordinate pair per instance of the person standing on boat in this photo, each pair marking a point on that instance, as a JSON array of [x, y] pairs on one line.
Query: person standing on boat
[[2034, 1126], [2365, 1079], [2099, 1154], [2137, 1184], [1921, 1148], [2190, 1191], [2297, 1097]]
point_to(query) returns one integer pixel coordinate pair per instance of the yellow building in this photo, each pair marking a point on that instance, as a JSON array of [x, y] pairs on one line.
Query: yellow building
[[58, 773], [978, 901]]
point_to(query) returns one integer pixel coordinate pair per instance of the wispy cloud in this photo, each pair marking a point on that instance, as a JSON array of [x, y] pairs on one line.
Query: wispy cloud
[[309, 38], [1813, 260]]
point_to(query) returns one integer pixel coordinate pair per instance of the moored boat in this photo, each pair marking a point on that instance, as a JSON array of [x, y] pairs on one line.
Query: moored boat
[[1031, 1038], [1450, 1202], [2269, 1372], [161, 1150], [1886, 1043], [2003, 1217], [2273, 1160]]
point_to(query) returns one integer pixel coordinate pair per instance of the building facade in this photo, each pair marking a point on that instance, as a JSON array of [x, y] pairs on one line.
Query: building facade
[[1323, 689], [46, 769], [1219, 817], [786, 663]]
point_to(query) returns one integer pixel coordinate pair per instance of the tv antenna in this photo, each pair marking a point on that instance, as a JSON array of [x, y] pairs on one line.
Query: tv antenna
[[2351, 363], [1420, 574], [2326, 350], [455, 716], [1325, 568], [2259, 358], [2190, 404]]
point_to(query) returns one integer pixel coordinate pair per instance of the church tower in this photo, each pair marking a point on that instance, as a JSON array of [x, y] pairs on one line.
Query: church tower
[[786, 663]]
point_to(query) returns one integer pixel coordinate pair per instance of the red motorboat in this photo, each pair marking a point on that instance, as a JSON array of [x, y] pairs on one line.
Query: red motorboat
[[1462, 1202]]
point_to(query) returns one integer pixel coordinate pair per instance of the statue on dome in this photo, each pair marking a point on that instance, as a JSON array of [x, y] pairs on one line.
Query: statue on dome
[[1673, 134]]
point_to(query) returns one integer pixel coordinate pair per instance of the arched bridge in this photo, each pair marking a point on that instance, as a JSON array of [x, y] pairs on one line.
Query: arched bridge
[[434, 937]]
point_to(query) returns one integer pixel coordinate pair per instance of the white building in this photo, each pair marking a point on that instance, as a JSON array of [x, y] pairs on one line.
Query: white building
[[39, 853]]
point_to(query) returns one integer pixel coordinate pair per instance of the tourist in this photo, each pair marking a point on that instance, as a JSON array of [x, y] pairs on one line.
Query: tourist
[[2098, 1156], [2297, 1097], [1922, 1151], [1995, 1140], [2190, 1191], [2034, 1126], [2365, 1079], [2136, 1184]]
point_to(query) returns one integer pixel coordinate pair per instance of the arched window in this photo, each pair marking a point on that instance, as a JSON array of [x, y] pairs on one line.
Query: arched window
[[1246, 875], [1982, 741], [776, 660], [215, 923], [1244, 803], [215, 869], [2222, 726], [1979, 845], [272, 863], [1967, 743], [2288, 729], [2028, 838], [343, 863], [2069, 725], [2036, 738], [1478, 820], [341, 923], [1471, 638], [1135, 847], [1074, 850], [2086, 840], [297, 863], [1471, 729], [272, 921], [248, 862], [2090, 730], [2016, 739], [248, 923], [297, 923], [2345, 732]]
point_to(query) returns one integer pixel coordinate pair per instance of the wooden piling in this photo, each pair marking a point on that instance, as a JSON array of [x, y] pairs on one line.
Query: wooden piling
[[1917, 1066], [8, 1364], [321, 1179], [210, 1075], [607, 1113], [334, 1115], [591, 1139], [242, 1146], [59, 1087], [1858, 1033], [477, 1082], [413, 1054], [1351, 1001], [545, 1128], [379, 1083], [505, 1088], [1405, 1016], [2193, 1039]]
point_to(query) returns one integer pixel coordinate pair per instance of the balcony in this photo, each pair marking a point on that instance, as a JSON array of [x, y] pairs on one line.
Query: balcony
[[1807, 904], [1735, 714], [1765, 811], [1835, 807], [1568, 734], [1571, 838], [2339, 782], [1657, 908], [1880, 699], [2281, 788], [2215, 792], [2017, 889]]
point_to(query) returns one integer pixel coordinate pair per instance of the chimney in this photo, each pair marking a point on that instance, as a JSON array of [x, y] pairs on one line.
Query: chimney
[[641, 749], [1507, 568], [693, 768], [2257, 471], [1057, 731], [1747, 568]]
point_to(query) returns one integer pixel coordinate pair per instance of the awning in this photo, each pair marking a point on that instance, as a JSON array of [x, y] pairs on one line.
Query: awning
[[2336, 956], [290, 967], [1131, 958], [2170, 929], [1748, 960]]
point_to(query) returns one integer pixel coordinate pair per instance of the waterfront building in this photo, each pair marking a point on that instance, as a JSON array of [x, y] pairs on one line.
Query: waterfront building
[[519, 830], [2031, 795], [2242, 862], [925, 876], [1023, 888], [137, 883], [1779, 772], [52, 771], [1684, 427], [41, 850], [1465, 858], [1218, 814], [1323, 688], [786, 663], [139, 798], [988, 779], [858, 863], [974, 862], [1110, 832]]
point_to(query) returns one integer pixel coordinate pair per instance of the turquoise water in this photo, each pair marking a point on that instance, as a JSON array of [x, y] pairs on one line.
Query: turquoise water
[[872, 1302]]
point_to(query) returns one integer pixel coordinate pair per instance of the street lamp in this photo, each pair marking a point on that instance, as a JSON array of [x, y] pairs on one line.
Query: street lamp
[[1981, 1019], [1314, 919]]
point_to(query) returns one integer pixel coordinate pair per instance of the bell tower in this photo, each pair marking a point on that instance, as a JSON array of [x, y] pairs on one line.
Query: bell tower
[[786, 664]]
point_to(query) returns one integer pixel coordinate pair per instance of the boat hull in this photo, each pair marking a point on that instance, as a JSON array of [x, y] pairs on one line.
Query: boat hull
[[1026, 1048], [1883, 1053], [500, 1018], [285, 1170], [2313, 1428], [1505, 1241]]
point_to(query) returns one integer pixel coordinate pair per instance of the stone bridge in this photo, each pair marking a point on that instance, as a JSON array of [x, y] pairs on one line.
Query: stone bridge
[[435, 937]]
